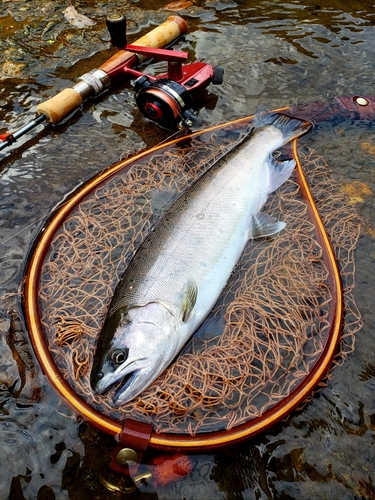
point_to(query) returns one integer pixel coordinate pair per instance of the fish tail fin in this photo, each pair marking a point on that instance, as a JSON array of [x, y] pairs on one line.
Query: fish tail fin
[[289, 126]]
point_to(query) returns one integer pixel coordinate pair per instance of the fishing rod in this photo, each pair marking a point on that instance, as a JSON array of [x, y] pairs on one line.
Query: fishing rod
[[96, 81], [167, 100]]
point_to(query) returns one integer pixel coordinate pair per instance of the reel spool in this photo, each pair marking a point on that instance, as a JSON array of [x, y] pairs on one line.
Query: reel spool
[[165, 102]]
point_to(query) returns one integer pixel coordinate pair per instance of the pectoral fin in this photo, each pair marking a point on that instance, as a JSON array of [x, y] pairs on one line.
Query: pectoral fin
[[279, 172], [189, 298], [263, 225]]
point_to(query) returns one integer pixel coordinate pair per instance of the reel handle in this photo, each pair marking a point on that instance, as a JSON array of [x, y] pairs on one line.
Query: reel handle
[[93, 83], [158, 54]]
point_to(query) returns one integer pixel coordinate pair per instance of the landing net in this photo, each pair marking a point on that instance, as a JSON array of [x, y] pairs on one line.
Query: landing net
[[270, 326]]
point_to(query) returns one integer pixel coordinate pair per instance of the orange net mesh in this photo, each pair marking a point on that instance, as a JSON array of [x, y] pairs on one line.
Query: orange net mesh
[[270, 325]]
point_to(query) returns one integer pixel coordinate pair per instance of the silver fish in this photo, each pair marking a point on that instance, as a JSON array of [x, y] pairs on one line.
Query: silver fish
[[178, 273]]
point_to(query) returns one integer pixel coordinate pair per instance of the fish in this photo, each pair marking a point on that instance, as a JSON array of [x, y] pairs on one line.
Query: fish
[[179, 271]]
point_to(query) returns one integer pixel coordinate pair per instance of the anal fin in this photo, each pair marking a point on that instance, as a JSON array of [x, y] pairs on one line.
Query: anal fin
[[263, 225]]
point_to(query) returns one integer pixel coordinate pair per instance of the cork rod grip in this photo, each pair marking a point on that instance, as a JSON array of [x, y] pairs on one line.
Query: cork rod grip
[[68, 100], [60, 106]]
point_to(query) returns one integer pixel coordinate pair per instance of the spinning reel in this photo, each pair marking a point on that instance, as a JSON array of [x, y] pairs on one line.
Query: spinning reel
[[168, 100]]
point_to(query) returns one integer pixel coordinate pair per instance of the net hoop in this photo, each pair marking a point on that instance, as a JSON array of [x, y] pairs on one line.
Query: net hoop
[[163, 441]]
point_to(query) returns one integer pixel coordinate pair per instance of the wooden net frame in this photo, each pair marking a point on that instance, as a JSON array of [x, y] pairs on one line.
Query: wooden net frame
[[269, 340]]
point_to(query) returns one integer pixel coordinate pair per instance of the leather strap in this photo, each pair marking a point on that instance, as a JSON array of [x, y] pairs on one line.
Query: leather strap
[[135, 436]]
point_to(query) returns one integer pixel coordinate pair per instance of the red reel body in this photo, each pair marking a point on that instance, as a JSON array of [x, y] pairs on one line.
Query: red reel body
[[170, 99]]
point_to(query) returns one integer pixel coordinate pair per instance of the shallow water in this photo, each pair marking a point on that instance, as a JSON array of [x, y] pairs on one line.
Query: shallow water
[[273, 53]]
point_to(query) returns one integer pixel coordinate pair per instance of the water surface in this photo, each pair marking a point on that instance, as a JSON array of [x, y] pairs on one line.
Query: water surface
[[275, 54]]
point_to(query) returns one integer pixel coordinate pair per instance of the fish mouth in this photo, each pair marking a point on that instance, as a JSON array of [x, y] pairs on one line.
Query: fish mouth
[[116, 377], [123, 383], [119, 386], [123, 386]]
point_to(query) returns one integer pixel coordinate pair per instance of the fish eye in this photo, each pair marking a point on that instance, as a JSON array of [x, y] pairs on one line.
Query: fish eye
[[118, 356]]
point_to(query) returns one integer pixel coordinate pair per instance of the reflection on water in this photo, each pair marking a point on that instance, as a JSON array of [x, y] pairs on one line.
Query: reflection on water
[[274, 53]]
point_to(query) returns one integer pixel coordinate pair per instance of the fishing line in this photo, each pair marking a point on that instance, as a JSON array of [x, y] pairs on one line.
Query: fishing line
[[172, 136], [175, 134], [24, 229]]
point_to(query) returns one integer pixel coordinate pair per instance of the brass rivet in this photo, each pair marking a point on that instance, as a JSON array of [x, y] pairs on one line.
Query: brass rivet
[[126, 456], [361, 101]]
